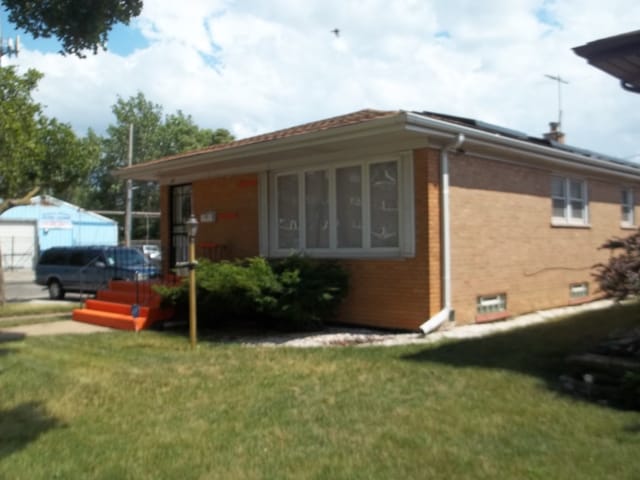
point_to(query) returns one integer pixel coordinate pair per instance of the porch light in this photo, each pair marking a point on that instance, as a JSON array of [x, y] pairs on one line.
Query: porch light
[[192, 229]]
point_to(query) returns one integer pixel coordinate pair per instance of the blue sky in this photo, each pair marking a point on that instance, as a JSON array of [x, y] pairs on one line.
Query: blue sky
[[254, 66], [123, 39]]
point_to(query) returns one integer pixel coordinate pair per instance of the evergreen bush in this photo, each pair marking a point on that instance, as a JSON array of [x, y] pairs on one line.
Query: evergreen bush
[[295, 293]]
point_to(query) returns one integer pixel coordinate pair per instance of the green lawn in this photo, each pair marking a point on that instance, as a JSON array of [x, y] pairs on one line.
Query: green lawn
[[27, 313], [144, 406]]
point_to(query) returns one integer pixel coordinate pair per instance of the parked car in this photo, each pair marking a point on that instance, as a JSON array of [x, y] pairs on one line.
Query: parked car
[[89, 269], [152, 252]]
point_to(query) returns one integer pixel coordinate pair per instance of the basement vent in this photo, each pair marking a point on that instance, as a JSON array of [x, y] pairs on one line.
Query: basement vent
[[492, 303], [578, 290]]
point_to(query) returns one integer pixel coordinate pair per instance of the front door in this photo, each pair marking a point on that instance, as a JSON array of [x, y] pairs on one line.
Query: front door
[[180, 213]]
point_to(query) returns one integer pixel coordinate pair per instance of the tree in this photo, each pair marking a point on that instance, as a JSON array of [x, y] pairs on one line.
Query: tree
[[36, 150], [619, 278], [79, 25], [154, 135]]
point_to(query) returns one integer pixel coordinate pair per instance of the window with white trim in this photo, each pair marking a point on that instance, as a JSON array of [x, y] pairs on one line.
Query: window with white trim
[[491, 303], [578, 290], [346, 209], [627, 207], [569, 201]]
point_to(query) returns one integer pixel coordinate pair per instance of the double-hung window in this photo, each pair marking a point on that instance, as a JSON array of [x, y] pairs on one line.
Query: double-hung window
[[569, 201], [627, 207], [349, 209]]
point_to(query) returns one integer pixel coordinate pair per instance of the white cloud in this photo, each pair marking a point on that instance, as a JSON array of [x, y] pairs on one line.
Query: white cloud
[[256, 66]]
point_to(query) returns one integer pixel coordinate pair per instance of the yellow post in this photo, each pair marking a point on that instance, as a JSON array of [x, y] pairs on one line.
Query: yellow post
[[192, 228], [192, 292]]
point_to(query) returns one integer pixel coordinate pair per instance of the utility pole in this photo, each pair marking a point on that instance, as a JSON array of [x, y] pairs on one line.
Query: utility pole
[[129, 194], [557, 78]]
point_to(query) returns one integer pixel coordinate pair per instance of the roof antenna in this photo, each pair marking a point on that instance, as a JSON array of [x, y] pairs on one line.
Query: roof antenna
[[560, 81]]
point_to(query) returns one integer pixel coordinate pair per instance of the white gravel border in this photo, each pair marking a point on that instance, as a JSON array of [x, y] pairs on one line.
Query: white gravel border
[[339, 337]]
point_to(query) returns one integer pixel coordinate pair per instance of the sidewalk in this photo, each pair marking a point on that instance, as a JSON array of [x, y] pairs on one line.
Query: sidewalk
[[62, 327]]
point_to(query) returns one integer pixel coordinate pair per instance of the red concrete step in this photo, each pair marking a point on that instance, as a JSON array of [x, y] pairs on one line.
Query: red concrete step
[[128, 297], [120, 308], [109, 319]]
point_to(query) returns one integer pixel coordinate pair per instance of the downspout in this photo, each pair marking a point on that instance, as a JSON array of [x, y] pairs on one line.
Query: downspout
[[445, 314]]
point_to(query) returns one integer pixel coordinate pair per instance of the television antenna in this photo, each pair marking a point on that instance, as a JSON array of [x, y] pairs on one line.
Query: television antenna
[[560, 81]]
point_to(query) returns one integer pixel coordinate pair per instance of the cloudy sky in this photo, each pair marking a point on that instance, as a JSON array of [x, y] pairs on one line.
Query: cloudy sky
[[253, 66]]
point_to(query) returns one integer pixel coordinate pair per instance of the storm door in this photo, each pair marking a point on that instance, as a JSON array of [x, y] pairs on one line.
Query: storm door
[[180, 212]]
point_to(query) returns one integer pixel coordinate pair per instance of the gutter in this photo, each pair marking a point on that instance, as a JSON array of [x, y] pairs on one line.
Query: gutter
[[445, 224], [438, 128]]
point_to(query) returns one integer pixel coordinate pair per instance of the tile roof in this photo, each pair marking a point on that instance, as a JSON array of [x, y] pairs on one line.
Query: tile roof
[[317, 126]]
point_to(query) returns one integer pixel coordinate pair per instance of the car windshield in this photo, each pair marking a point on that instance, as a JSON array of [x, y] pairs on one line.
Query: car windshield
[[124, 257]]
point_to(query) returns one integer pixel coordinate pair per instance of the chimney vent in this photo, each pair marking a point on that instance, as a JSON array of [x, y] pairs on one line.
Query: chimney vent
[[554, 134]]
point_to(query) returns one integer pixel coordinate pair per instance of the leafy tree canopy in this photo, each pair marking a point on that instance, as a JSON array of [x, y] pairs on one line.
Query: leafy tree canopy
[[155, 135], [37, 151], [79, 25]]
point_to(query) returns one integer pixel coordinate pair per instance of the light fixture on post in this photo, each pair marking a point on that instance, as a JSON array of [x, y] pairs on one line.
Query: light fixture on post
[[192, 230]]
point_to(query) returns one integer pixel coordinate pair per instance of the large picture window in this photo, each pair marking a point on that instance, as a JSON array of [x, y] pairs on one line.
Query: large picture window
[[351, 209]]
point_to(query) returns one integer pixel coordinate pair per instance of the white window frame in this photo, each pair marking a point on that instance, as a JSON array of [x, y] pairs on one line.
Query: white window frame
[[578, 290], [567, 218], [406, 215], [627, 207], [488, 304]]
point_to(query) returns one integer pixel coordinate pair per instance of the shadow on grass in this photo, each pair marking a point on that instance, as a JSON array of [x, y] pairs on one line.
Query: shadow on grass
[[22, 425], [538, 350], [10, 337]]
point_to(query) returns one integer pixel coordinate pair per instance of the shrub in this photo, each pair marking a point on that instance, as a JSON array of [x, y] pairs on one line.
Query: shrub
[[311, 292], [619, 278], [296, 293]]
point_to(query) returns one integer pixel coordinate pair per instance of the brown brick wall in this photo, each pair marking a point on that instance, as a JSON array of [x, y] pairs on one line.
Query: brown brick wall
[[235, 201], [501, 234], [503, 241], [402, 293]]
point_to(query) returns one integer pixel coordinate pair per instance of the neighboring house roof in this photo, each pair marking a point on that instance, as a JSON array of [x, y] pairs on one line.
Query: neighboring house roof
[[397, 129], [45, 206], [618, 56]]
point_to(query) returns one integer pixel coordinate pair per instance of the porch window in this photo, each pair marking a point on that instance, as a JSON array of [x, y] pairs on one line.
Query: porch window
[[352, 209]]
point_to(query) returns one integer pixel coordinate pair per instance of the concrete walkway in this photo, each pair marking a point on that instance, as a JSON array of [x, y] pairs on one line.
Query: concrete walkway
[[50, 328]]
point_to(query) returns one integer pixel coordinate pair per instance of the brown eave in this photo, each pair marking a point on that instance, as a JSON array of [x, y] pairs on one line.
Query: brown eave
[[317, 126], [618, 56]]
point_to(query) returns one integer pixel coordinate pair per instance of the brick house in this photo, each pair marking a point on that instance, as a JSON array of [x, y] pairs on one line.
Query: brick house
[[438, 218]]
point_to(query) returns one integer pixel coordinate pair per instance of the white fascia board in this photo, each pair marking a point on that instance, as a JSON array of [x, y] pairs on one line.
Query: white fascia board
[[441, 129]]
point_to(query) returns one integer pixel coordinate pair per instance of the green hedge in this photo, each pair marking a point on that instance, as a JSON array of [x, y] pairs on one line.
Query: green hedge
[[295, 293]]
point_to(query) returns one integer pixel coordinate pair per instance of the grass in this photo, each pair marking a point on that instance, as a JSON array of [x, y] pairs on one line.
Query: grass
[[123, 405], [24, 313]]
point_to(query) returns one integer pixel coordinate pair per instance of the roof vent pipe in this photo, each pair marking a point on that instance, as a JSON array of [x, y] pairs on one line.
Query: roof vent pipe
[[443, 315]]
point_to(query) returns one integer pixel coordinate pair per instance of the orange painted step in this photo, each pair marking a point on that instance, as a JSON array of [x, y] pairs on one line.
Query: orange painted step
[[108, 319], [123, 296], [121, 308]]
